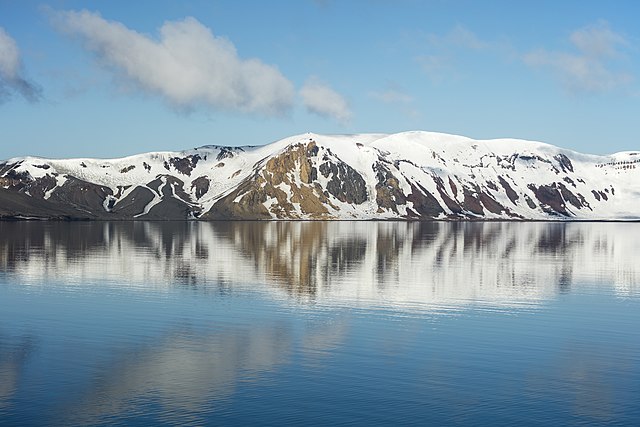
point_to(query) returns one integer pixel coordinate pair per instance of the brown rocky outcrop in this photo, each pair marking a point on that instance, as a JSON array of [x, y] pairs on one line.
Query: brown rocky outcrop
[[550, 199], [388, 192], [294, 171]]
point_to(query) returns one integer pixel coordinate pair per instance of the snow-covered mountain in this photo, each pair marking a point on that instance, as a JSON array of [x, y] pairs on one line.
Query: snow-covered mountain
[[410, 175]]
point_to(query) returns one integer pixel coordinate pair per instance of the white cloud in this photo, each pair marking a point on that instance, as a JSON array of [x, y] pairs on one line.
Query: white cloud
[[592, 66], [12, 78], [597, 40], [320, 99], [9, 55], [187, 64]]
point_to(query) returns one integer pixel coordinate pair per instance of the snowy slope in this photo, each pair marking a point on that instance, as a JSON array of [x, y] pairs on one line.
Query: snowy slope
[[410, 175]]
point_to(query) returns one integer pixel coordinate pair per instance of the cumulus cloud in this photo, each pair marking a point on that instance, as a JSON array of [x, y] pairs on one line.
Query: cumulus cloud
[[12, 77], [592, 66], [318, 98], [186, 64]]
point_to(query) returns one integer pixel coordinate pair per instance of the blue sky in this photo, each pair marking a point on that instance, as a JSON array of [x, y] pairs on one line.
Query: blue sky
[[108, 79]]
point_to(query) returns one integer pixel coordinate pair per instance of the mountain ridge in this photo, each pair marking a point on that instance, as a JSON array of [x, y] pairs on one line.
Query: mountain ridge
[[413, 175]]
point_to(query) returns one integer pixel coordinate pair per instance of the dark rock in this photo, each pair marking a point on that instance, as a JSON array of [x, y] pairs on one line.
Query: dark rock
[[471, 203], [564, 162], [155, 184], [169, 208], [225, 153], [569, 196], [40, 186], [550, 199], [452, 204], [388, 192], [201, 185], [134, 203], [425, 204], [6, 167], [491, 204], [454, 189], [82, 194], [16, 205], [346, 184], [184, 165], [583, 201], [121, 190], [511, 194], [491, 185], [19, 176], [530, 202], [174, 187], [312, 149], [249, 207]]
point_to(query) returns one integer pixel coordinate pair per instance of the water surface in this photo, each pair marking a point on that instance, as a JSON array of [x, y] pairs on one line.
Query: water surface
[[178, 323]]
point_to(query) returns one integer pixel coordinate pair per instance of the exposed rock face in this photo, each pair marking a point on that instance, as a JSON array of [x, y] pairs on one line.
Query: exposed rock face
[[200, 185], [388, 192], [550, 199], [425, 205], [405, 176], [452, 205], [511, 194], [134, 202], [345, 183], [228, 152], [289, 182], [184, 165], [82, 195], [565, 163]]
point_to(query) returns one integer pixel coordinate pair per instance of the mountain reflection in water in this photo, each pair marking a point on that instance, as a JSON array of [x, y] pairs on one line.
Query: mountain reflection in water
[[389, 263], [191, 323]]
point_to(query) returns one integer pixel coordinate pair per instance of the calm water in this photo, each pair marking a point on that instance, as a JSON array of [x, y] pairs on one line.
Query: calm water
[[324, 323]]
